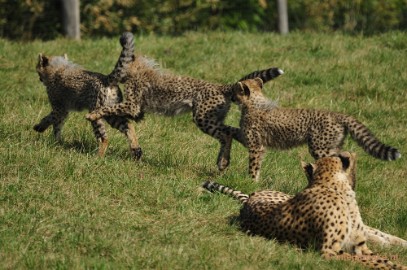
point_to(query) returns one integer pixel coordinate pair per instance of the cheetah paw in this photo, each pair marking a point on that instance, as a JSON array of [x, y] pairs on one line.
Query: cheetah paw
[[39, 128], [91, 117], [136, 153]]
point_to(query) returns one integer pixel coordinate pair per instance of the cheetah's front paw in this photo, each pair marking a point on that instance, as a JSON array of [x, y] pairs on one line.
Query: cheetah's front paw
[[92, 116], [39, 128], [136, 153]]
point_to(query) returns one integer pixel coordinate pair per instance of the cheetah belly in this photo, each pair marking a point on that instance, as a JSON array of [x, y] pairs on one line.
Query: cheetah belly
[[170, 108]]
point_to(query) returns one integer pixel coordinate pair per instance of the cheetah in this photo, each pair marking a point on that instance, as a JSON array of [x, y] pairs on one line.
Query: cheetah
[[72, 88], [324, 215], [151, 89], [264, 124]]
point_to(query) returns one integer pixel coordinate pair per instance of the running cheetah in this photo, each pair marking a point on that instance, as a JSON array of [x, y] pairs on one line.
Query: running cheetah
[[71, 88], [150, 89], [263, 124], [324, 213]]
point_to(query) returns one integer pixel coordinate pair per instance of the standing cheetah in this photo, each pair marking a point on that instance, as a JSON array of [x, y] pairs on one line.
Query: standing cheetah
[[325, 213], [71, 88], [150, 89], [263, 124]]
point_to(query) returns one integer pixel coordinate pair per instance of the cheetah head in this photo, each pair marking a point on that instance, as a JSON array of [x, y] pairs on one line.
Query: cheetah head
[[44, 62], [248, 90], [325, 168]]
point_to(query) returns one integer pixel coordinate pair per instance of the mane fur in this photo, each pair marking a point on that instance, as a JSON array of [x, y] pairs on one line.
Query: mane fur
[[62, 62]]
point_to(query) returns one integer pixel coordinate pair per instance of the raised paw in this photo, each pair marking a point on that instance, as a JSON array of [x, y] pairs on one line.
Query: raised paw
[[92, 117], [136, 153], [39, 128]]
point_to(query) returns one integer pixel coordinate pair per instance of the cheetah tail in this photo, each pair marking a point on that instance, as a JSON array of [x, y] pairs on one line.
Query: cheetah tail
[[365, 138], [265, 74], [126, 57], [213, 186]]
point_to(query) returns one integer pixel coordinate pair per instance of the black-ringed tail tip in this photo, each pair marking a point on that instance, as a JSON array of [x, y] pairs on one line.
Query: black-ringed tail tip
[[265, 75], [126, 39], [396, 155]]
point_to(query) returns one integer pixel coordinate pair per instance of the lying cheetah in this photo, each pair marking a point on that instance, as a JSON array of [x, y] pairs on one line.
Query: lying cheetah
[[324, 213], [71, 88], [150, 89], [263, 124]]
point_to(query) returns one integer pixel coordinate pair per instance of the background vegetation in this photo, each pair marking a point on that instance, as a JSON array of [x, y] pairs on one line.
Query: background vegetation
[[42, 18], [63, 207]]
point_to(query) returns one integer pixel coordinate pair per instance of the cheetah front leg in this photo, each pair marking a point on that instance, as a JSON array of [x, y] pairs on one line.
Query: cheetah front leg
[[217, 130], [130, 108], [382, 238], [125, 109], [55, 118], [256, 153], [209, 116]]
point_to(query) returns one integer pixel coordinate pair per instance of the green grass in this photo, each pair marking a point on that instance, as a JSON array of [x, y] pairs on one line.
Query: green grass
[[63, 207]]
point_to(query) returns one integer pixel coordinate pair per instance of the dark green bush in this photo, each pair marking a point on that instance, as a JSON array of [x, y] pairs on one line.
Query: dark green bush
[[28, 19]]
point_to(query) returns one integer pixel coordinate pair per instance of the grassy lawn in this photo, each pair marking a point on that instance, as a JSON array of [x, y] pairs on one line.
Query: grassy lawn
[[63, 207]]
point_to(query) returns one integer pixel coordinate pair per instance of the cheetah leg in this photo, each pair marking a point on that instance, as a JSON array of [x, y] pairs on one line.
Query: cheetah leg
[[219, 131], [223, 159], [209, 116], [379, 237], [125, 127], [256, 155], [55, 118], [57, 126], [373, 262], [129, 108], [362, 249], [126, 109], [237, 135], [100, 134]]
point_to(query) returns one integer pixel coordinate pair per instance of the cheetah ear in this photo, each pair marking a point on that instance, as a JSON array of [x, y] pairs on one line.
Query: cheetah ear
[[345, 162], [42, 60], [245, 89], [259, 82], [309, 169]]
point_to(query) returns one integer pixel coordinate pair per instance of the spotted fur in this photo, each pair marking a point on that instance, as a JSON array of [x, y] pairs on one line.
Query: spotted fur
[[72, 88], [264, 124], [151, 89], [325, 214]]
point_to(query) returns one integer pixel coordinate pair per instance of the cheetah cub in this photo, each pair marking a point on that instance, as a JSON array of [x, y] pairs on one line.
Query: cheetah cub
[[151, 89], [71, 88], [325, 213], [264, 124]]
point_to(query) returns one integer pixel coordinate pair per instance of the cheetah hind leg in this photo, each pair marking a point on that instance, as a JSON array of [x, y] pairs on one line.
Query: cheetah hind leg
[[103, 143], [100, 134], [125, 127], [225, 138]]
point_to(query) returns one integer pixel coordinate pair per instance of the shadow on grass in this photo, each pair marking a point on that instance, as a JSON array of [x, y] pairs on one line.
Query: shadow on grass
[[83, 147]]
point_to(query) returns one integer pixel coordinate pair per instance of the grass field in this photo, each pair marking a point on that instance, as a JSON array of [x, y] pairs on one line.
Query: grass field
[[63, 207]]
